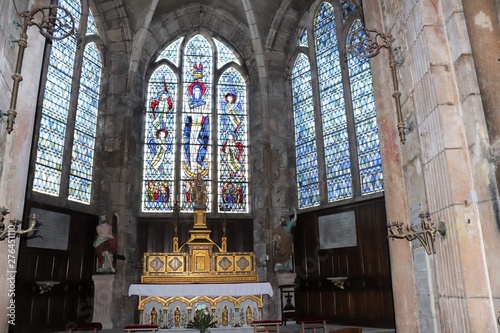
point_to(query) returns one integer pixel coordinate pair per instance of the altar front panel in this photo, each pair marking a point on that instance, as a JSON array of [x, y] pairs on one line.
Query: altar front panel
[[173, 306]]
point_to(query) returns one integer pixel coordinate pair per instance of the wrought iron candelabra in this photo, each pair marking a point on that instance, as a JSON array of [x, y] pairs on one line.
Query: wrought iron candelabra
[[11, 230], [367, 43], [53, 22], [426, 236]]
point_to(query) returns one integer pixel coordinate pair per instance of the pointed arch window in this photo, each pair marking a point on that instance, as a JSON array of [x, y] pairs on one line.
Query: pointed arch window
[[67, 128], [196, 124], [346, 118]]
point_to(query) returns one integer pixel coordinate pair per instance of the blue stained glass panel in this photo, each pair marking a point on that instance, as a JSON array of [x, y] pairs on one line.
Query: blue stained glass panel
[[196, 114], [50, 145], [159, 147], [171, 52], [224, 54], [233, 142], [303, 39], [91, 27], [347, 8], [370, 162], [337, 156], [82, 160], [305, 134]]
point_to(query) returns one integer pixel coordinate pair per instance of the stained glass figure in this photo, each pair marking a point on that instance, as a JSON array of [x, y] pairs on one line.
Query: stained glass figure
[[159, 142], [233, 145]]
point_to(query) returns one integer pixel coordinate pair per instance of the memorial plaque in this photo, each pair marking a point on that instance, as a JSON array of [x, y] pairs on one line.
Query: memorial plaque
[[337, 230], [52, 230]]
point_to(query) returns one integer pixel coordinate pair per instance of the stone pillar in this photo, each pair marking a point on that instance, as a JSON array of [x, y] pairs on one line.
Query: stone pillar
[[484, 34], [103, 299]]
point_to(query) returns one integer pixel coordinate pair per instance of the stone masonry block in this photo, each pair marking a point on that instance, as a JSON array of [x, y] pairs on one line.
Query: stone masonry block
[[458, 36]]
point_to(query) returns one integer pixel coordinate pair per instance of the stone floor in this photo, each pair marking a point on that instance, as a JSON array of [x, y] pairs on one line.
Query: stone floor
[[289, 328]]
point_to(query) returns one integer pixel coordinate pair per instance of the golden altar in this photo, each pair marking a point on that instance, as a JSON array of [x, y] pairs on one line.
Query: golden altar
[[200, 274]]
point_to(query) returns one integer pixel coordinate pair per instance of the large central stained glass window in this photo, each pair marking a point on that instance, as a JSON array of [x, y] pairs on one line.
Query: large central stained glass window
[[345, 119], [196, 127]]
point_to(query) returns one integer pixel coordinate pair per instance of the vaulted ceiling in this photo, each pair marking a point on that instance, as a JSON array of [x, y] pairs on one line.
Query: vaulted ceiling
[[264, 11]]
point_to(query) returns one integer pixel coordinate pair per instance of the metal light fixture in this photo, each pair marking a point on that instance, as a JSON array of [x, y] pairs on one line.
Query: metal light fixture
[[367, 43], [11, 230], [426, 236], [53, 22]]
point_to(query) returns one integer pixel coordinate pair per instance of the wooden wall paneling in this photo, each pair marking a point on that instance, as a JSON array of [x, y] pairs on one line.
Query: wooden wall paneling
[[329, 303], [72, 268], [366, 266], [365, 230]]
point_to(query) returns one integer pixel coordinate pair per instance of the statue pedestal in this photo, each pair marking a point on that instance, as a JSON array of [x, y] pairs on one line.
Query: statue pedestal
[[286, 278], [103, 299]]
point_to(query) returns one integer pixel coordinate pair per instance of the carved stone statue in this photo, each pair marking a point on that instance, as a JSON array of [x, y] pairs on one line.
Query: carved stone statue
[[105, 246], [283, 244]]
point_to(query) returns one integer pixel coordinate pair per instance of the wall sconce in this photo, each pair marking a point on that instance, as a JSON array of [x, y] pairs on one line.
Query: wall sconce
[[426, 236], [12, 230], [46, 286], [53, 19], [338, 281], [367, 44]]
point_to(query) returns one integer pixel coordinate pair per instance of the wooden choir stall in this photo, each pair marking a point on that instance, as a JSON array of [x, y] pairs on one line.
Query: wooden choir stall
[[200, 274]]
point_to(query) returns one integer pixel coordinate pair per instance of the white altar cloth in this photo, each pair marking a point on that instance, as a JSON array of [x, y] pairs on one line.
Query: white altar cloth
[[201, 289]]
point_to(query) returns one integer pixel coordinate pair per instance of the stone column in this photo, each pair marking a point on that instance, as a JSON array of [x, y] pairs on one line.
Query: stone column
[[103, 299], [484, 36]]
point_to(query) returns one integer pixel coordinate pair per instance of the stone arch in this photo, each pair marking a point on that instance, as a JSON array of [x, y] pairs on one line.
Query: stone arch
[[196, 17]]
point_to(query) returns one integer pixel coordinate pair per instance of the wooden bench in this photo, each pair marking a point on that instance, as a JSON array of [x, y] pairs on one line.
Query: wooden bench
[[140, 327], [271, 325], [74, 327], [311, 323]]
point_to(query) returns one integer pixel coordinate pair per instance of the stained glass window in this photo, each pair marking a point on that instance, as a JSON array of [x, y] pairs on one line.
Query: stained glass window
[[232, 140], [224, 54], [303, 38], [171, 52], [344, 121], [201, 152], [306, 150], [160, 132], [347, 8], [369, 159], [61, 107], [333, 109], [80, 178]]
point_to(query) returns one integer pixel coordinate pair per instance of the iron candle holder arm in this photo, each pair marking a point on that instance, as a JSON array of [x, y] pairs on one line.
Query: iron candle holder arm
[[53, 22], [367, 43], [426, 236]]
